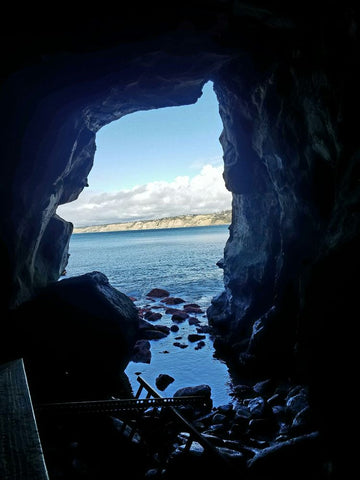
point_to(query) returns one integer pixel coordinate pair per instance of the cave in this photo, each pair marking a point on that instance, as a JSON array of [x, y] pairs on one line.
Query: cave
[[286, 76]]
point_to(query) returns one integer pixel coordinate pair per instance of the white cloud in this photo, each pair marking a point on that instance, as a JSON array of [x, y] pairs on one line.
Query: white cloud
[[203, 193]]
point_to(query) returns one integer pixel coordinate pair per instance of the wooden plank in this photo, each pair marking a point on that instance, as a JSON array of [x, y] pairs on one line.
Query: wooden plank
[[21, 456]]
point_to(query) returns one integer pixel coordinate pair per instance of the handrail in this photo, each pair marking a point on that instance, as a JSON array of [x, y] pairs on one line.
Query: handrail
[[116, 405]]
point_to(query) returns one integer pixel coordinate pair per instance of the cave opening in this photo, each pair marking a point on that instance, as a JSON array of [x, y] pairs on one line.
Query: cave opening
[[157, 214], [287, 83]]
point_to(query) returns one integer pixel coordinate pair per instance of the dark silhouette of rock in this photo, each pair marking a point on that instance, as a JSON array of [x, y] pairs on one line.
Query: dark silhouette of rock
[[195, 337], [202, 390], [297, 457], [287, 80], [152, 334], [141, 352], [163, 380], [82, 326]]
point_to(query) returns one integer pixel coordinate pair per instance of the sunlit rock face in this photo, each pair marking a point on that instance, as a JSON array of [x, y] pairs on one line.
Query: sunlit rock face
[[287, 83]]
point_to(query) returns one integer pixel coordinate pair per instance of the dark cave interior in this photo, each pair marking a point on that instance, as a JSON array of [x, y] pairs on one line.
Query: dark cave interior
[[286, 77]]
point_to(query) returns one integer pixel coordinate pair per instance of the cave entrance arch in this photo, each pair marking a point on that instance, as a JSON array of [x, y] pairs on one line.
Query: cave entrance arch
[[180, 144]]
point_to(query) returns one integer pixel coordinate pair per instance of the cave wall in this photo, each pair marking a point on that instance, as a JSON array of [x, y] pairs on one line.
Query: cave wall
[[55, 108], [290, 156], [287, 82]]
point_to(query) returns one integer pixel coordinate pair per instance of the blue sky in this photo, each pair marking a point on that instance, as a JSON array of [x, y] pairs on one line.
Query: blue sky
[[154, 164]]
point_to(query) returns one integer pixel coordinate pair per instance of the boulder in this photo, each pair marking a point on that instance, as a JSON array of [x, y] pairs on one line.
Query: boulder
[[179, 316], [202, 390], [194, 337], [172, 300], [193, 308], [141, 352], [158, 293], [163, 380], [295, 458], [76, 336], [152, 316], [153, 334]]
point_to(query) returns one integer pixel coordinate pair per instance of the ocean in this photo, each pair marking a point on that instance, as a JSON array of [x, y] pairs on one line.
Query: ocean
[[180, 260]]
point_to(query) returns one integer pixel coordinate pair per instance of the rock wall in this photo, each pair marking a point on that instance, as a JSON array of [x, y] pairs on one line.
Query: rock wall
[[286, 77]]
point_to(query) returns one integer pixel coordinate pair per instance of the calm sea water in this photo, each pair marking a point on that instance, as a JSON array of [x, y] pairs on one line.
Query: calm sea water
[[181, 260]]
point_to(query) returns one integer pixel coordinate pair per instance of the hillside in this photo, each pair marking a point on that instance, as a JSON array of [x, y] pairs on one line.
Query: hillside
[[199, 220]]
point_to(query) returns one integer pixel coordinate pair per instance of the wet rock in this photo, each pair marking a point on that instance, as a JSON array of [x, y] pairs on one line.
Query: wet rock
[[180, 345], [193, 321], [171, 311], [193, 308], [203, 329], [179, 317], [142, 352], [151, 334], [172, 300], [195, 337], [162, 328], [143, 311], [150, 331], [163, 381], [158, 293], [174, 328], [152, 316], [200, 345], [191, 305], [202, 390]]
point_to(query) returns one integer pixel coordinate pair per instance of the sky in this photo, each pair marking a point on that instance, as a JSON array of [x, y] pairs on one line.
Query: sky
[[155, 164]]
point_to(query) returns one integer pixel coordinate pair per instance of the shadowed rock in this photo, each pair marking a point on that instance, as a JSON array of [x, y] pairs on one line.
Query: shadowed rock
[[77, 333]]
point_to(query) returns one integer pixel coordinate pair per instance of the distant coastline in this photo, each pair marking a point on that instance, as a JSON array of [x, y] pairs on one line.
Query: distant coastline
[[196, 220]]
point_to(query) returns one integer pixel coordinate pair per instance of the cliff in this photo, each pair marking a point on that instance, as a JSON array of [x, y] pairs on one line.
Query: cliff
[[200, 220]]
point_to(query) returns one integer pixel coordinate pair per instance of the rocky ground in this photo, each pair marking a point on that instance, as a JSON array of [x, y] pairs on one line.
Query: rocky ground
[[268, 430]]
